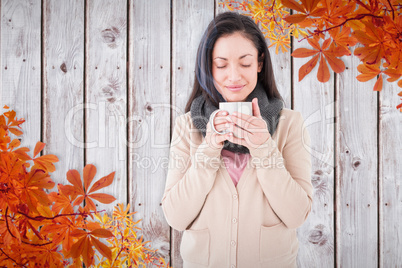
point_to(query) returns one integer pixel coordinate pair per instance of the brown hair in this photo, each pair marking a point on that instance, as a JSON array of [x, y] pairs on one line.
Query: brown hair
[[225, 24]]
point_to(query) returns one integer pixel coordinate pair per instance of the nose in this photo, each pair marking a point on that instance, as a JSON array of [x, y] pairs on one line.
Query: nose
[[234, 74]]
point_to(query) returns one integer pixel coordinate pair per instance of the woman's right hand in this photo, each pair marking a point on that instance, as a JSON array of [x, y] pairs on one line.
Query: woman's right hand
[[222, 123]]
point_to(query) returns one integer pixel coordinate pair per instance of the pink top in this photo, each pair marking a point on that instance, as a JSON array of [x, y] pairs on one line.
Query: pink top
[[235, 164]]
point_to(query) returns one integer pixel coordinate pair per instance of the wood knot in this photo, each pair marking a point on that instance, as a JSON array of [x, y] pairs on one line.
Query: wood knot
[[149, 108], [317, 236], [63, 67], [109, 36], [356, 163]]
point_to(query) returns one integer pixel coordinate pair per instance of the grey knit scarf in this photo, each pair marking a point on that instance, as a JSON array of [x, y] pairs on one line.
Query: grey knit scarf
[[201, 110]]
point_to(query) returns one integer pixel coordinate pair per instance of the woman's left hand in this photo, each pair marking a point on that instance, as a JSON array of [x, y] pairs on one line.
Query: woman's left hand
[[247, 130]]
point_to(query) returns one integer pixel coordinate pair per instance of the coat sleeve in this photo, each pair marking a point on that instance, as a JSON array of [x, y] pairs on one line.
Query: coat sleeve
[[189, 177], [286, 177]]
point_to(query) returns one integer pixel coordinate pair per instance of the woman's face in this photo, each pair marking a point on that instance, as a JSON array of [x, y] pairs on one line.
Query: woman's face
[[235, 67]]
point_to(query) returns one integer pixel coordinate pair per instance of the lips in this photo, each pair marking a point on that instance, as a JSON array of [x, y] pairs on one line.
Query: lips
[[235, 87]]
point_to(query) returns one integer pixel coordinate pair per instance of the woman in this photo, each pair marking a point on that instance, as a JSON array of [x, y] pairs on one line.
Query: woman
[[238, 185]]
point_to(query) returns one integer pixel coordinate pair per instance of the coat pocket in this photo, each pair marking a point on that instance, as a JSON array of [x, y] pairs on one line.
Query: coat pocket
[[275, 242], [194, 246]]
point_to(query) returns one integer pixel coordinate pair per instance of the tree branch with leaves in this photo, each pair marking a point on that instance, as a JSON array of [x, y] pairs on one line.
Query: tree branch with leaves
[[373, 28]]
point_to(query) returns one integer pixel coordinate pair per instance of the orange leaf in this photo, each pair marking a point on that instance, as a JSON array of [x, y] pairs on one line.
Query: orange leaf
[[400, 83], [90, 204], [314, 43], [14, 143], [323, 74], [77, 248], [393, 74], [310, 5], [400, 93], [102, 233], [79, 200], [75, 179], [303, 53], [38, 148], [365, 77], [89, 174], [45, 162], [21, 154], [336, 64], [103, 182], [15, 131], [103, 198], [293, 5], [6, 107], [78, 233], [296, 18], [378, 84], [88, 253], [306, 68], [102, 248], [326, 44]]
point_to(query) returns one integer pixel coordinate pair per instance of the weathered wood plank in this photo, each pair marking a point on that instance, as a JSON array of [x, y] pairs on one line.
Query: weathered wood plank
[[63, 61], [190, 20], [149, 116], [357, 243], [390, 177], [20, 86], [315, 101], [106, 92]]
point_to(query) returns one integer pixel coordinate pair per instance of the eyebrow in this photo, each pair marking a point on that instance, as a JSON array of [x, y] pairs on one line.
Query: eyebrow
[[222, 58]]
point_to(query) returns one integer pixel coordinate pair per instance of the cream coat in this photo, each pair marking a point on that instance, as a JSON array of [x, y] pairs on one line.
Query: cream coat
[[249, 226]]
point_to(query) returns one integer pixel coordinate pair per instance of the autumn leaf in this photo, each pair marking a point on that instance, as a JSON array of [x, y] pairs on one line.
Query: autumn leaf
[[306, 9], [32, 191], [63, 199], [328, 52], [378, 84], [85, 193], [38, 148], [368, 72], [45, 162]]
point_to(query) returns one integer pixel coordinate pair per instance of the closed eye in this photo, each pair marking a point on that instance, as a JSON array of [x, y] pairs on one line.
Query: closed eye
[[220, 67], [246, 65]]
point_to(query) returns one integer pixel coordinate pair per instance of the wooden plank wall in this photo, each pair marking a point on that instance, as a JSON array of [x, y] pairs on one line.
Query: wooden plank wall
[[103, 81]]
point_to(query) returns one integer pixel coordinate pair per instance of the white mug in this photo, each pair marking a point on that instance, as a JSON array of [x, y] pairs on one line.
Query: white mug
[[230, 107], [241, 107]]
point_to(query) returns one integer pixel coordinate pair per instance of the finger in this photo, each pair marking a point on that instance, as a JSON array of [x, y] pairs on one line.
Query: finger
[[222, 119], [238, 131], [236, 140], [245, 121], [221, 138], [256, 108], [222, 127]]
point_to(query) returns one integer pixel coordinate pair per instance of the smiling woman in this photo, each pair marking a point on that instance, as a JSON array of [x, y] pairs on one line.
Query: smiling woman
[[235, 67], [245, 187]]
